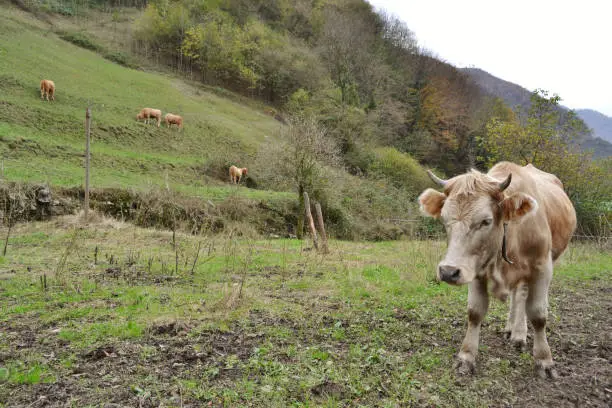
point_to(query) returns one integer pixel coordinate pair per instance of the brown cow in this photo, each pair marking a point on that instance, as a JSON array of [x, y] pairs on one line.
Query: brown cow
[[172, 119], [149, 113], [47, 88], [507, 227], [236, 174]]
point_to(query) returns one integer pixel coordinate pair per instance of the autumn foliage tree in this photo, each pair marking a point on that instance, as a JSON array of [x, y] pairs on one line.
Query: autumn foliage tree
[[547, 137]]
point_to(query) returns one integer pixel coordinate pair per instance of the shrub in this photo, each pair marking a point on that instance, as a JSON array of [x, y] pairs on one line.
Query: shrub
[[400, 169], [120, 58], [80, 39]]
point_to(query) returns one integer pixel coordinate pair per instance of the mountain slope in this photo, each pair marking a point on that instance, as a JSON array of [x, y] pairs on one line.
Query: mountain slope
[[511, 93], [600, 123], [44, 141], [514, 95]]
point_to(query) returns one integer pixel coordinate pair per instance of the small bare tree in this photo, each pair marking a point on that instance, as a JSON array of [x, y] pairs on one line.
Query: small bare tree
[[299, 160]]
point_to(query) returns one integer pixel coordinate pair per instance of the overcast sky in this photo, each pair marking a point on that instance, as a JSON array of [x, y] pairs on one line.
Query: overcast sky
[[562, 46]]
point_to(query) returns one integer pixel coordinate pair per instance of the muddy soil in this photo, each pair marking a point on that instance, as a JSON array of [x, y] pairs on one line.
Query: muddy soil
[[148, 372]]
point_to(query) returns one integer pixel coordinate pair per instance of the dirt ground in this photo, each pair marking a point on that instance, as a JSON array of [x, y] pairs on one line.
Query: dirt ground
[[581, 342], [579, 335]]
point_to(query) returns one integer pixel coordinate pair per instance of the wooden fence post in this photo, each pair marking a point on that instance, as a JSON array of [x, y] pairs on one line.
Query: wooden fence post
[[311, 225], [87, 134], [324, 246]]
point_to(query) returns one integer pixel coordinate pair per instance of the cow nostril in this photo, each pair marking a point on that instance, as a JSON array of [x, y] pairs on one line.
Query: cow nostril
[[450, 274]]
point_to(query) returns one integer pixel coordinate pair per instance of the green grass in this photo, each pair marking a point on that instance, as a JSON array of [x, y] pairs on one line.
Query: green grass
[[366, 325], [43, 141]]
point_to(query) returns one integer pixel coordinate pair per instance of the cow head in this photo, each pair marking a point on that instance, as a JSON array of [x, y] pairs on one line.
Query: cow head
[[473, 208], [244, 171]]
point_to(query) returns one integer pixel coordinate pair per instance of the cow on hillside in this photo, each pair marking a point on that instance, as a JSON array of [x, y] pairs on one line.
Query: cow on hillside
[[47, 88], [149, 113], [172, 119], [236, 174], [506, 227]]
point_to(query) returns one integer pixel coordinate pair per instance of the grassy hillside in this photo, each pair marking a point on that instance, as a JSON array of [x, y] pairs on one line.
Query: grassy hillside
[[44, 141]]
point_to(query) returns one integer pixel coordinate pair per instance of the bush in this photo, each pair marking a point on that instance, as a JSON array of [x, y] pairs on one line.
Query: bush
[[120, 58], [80, 39], [400, 169]]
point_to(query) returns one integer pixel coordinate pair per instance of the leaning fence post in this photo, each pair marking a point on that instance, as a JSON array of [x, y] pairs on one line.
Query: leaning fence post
[[324, 246], [311, 225], [87, 134]]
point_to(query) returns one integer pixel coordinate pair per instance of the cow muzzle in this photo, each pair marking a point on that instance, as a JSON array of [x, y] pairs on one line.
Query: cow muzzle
[[449, 274]]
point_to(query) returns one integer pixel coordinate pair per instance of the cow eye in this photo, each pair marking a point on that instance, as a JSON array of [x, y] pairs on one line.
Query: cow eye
[[486, 222]]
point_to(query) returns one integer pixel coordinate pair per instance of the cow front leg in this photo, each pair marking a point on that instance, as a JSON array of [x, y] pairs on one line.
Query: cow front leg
[[478, 304], [516, 326], [537, 311]]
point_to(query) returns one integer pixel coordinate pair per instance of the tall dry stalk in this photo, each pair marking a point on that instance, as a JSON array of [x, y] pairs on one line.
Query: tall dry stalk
[[59, 269]]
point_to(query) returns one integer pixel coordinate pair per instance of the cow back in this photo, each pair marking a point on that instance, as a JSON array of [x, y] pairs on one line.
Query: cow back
[[555, 211]]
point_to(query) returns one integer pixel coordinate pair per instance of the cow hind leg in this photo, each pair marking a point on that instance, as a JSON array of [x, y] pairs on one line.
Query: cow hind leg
[[478, 304], [516, 326], [537, 311], [510, 320]]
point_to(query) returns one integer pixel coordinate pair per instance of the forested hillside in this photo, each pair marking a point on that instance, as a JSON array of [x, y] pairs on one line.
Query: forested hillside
[[384, 106], [598, 139]]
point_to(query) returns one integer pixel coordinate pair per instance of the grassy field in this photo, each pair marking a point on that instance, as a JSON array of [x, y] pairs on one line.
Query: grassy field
[[44, 142], [128, 317]]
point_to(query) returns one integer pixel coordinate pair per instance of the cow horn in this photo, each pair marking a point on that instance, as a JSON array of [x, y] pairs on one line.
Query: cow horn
[[504, 184], [436, 179]]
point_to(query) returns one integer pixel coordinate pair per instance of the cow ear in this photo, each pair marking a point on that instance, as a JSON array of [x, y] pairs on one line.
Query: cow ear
[[431, 202], [517, 206]]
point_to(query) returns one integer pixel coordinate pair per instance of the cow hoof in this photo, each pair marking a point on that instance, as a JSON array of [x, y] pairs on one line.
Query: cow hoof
[[546, 371], [465, 367], [519, 344]]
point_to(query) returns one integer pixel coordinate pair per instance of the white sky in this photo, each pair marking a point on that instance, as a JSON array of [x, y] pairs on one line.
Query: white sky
[[561, 46]]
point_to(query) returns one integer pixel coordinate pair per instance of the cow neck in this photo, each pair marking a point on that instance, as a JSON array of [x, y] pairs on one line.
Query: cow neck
[[504, 246]]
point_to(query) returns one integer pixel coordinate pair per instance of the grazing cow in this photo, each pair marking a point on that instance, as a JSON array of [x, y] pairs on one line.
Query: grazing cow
[[171, 119], [236, 174], [149, 113], [507, 227], [47, 88]]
